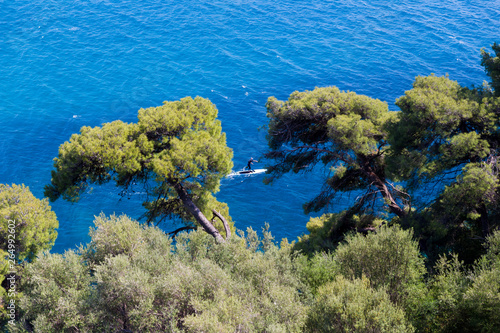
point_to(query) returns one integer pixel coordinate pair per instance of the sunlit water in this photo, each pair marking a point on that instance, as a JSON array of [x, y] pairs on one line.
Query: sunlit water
[[68, 64]]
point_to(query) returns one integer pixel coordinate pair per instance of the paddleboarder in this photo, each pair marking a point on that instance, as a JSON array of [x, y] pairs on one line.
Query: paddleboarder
[[250, 162]]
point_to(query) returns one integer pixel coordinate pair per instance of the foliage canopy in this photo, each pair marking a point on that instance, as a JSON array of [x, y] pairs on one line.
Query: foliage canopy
[[176, 152], [33, 222], [27, 227], [448, 134], [442, 147], [343, 131]]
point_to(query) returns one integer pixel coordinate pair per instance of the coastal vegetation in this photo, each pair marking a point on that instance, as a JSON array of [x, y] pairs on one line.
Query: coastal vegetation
[[418, 249], [444, 134], [27, 228]]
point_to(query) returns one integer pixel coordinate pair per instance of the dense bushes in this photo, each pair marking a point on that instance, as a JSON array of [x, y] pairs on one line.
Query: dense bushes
[[388, 258], [467, 299], [133, 278], [352, 306], [129, 278]]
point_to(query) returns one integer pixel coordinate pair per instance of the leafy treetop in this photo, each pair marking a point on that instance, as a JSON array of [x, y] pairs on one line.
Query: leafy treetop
[[176, 151], [27, 227], [449, 133], [343, 131], [30, 222]]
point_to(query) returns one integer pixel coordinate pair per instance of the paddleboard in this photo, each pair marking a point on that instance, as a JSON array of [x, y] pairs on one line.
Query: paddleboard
[[248, 172]]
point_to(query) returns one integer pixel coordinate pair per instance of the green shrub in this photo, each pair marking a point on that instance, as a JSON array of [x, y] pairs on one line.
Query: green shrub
[[467, 300], [56, 293], [317, 270], [480, 306], [447, 289], [481, 303], [353, 306], [34, 221], [388, 258]]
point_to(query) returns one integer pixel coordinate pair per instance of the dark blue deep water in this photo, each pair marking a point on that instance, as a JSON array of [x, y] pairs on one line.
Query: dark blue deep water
[[65, 64]]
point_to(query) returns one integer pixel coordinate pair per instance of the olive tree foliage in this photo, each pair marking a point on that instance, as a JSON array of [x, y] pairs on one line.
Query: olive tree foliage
[[129, 278], [482, 299], [390, 257], [56, 289], [353, 306], [343, 131], [176, 153]]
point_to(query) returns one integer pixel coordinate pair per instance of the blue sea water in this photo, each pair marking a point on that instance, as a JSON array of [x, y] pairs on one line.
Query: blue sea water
[[73, 63]]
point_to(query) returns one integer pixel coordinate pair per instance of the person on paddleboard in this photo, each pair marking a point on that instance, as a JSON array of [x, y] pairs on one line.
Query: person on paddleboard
[[250, 162]]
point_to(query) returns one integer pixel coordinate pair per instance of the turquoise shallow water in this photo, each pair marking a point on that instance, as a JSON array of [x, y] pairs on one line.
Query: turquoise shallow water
[[67, 64]]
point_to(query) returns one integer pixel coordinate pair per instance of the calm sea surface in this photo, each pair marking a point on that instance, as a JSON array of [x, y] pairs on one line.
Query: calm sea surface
[[68, 64]]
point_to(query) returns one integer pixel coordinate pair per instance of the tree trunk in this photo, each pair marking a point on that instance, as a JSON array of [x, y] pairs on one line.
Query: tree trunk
[[196, 212], [384, 190], [485, 225]]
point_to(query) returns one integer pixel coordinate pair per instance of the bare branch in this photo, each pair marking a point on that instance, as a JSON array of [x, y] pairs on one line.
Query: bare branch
[[224, 221], [175, 232]]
